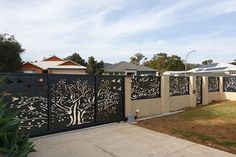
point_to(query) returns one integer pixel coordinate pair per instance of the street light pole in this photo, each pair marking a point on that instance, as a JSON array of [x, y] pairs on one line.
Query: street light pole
[[186, 61]]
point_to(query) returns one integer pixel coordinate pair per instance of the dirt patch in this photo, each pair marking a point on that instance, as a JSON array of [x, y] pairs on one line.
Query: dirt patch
[[213, 125]]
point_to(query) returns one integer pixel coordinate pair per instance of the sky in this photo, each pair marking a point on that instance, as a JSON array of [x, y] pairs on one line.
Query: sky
[[114, 30]]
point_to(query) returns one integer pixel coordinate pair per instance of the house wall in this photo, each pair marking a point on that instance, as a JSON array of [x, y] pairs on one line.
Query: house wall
[[69, 63], [113, 73], [30, 67], [138, 73], [67, 71], [146, 73]]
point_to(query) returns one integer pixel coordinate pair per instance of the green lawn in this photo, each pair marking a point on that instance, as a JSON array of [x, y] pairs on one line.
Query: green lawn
[[213, 125]]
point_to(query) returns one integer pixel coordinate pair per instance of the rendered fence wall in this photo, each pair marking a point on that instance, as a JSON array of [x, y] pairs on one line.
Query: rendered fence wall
[[172, 98], [173, 95], [212, 89], [146, 95], [179, 91]]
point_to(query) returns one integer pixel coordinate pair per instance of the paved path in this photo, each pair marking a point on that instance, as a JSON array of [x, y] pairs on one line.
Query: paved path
[[120, 140]]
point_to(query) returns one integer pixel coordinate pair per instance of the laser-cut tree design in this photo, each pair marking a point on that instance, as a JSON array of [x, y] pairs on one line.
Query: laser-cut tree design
[[145, 87], [199, 89], [230, 84], [72, 101], [179, 86], [213, 84], [32, 111], [108, 97]]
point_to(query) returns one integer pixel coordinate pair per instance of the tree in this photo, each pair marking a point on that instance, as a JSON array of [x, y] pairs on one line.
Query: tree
[[162, 62], [174, 63], [206, 62], [94, 67], [77, 58], [10, 51], [193, 65], [137, 58]]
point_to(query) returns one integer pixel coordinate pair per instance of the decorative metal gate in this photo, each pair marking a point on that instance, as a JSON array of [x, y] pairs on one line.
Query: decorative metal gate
[[27, 94], [55, 103], [199, 90]]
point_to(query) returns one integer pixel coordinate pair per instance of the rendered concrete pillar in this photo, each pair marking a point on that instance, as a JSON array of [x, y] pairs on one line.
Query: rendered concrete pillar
[[192, 91], [165, 95], [128, 106], [222, 95], [205, 90]]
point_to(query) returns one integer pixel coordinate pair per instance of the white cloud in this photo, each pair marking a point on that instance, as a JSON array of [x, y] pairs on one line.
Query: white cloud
[[62, 27]]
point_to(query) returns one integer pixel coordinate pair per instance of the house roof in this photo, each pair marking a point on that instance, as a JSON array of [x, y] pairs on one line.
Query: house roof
[[53, 58], [57, 63], [210, 68], [215, 67], [122, 66]]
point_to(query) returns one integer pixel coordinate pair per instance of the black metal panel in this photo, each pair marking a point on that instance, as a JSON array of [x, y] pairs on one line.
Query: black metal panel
[[229, 84], [199, 90], [27, 94], [72, 101], [55, 103], [179, 86], [213, 84], [145, 87], [110, 99]]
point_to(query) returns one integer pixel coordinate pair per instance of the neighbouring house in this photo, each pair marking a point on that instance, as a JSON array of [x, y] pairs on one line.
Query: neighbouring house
[[210, 69], [125, 68], [53, 65]]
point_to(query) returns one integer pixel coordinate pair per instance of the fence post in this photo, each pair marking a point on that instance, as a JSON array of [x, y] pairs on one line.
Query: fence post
[[192, 91], [165, 95], [204, 90], [128, 106]]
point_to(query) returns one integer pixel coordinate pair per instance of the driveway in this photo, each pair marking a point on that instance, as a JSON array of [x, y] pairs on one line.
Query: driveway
[[120, 140]]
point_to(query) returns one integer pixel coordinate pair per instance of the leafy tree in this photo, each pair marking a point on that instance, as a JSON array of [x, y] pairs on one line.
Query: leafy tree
[[234, 62], [13, 142], [94, 67], [10, 51], [174, 63], [206, 62], [137, 58], [77, 58], [162, 62], [192, 65]]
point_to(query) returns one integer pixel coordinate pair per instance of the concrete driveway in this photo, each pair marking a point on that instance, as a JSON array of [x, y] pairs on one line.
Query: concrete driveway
[[120, 140]]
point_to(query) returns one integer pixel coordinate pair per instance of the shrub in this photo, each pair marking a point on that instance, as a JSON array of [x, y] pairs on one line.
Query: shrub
[[13, 142]]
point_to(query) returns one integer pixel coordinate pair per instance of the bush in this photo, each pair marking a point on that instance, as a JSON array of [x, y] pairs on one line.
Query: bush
[[13, 142]]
